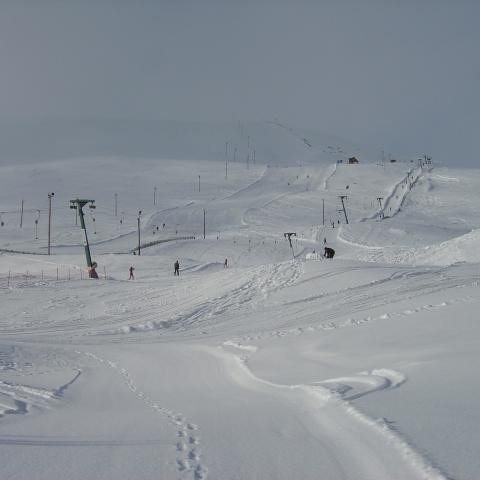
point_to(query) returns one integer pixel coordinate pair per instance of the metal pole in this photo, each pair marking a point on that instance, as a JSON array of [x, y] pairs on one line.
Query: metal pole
[[226, 169], [116, 198], [254, 151], [343, 205], [323, 211], [36, 224], [80, 206], [204, 224], [50, 195], [154, 195], [21, 216], [138, 224], [199, 183]]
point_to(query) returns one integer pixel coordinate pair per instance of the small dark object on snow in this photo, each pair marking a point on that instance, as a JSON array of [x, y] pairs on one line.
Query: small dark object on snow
[[92, 273], [329, 252], [176, 267]]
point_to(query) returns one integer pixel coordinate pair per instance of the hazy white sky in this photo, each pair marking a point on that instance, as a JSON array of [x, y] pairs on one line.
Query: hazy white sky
[[403, 74]]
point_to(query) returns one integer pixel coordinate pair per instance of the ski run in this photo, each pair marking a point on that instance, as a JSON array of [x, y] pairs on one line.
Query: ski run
[[280, 363]]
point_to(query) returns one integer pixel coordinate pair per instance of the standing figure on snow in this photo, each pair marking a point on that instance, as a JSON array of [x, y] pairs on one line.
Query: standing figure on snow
[[225, 264], [176, 267], [329, 252], [131, 277]]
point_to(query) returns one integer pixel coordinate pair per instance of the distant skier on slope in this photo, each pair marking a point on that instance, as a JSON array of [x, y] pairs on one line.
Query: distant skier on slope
[[225, 263], [176, 267], [329, 252], [131, 277]]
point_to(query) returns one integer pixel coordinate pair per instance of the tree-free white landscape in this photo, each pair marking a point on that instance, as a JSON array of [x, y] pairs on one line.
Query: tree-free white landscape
[[284, 365]]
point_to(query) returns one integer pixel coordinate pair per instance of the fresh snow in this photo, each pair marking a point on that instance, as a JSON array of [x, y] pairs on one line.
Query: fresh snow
[[283, 365]]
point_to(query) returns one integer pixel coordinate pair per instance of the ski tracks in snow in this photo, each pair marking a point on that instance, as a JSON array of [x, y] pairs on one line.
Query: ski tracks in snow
[[264, 281], [351, 321], [209, 313], [330, 404], [18, 398], [189, 461]]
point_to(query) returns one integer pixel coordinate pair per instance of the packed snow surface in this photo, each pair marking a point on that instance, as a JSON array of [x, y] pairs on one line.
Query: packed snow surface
[[279, 365]]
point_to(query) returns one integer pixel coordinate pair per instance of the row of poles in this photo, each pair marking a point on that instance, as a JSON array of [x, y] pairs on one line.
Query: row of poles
[[78, 205], [57, 275]]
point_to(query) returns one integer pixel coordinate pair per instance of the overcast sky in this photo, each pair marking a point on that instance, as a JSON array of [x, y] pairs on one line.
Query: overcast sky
[[400, 74]]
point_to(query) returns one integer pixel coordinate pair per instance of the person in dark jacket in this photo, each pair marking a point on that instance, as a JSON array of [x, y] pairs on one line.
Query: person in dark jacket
[[176, 267], [131, 277], [329, 252]]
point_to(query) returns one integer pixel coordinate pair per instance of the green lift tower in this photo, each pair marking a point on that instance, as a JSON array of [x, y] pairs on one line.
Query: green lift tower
[[78, 205]]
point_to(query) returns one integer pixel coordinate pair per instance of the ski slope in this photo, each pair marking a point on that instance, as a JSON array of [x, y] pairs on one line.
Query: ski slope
[[283, 365]]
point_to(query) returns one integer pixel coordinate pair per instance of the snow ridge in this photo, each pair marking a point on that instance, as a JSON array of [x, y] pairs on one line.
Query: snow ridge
[[337, 400]]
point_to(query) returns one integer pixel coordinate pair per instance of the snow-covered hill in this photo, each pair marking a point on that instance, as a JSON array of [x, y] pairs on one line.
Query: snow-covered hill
[[283, 365], [274, 142]]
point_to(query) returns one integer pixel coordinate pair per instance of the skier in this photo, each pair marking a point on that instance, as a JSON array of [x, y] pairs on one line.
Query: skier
[[176, 267], [325, 241], [225, 264], [329, 252], [131, 277]]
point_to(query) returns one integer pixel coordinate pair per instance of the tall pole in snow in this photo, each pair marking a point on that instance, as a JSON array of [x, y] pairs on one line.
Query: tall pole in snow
[[21, 216], [226, 169], [50, 195], [204, 224], [138, 228], [78, 204], [115, 204], [36, 224], [342, 197], [323, 211], [154, 195], [199, 183]]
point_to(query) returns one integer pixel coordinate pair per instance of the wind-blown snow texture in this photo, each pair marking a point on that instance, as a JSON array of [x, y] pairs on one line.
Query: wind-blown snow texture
[[283, 365]]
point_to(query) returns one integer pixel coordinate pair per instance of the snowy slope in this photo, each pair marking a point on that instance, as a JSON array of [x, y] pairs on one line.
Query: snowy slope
[[281, 366]]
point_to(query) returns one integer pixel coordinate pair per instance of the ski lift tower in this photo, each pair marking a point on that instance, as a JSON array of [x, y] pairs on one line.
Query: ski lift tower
[[342, 198], [289, 235], [78, 205]]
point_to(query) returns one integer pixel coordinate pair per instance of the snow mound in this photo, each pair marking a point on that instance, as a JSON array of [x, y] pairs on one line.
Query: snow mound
[[460, 249], [313, 256]]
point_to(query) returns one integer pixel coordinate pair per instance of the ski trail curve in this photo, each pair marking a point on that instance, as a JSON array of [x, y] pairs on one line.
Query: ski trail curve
[[376, 450]]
